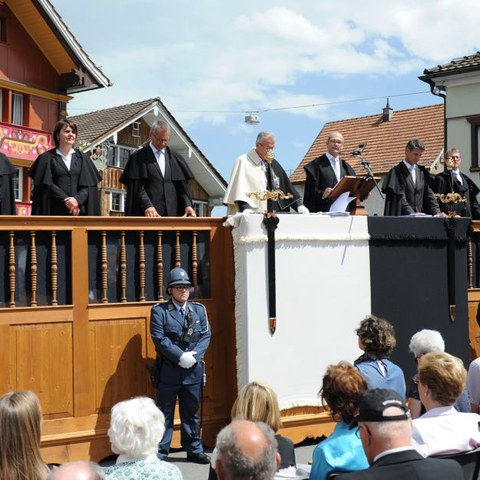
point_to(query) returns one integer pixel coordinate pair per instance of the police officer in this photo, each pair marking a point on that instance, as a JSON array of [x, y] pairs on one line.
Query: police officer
[[181, 334]]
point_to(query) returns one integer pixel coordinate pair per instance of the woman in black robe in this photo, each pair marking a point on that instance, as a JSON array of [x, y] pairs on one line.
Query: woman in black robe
[[7, 194], [65, 179]]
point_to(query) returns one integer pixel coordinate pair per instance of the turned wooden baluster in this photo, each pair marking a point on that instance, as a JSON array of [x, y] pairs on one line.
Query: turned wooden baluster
[[123, 268], [54, 269], [142, 266], [178, 259], [470, 263], [160, 266], [33, 268], [195, 265], [11, 268], [104, 268]]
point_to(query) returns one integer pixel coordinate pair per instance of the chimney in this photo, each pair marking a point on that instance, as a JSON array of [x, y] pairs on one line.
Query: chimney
[[387, 112]]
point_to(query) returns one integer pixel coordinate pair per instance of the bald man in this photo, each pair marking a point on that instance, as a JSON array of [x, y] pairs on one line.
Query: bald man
[[246, 450], [77, 471], [324, 173]]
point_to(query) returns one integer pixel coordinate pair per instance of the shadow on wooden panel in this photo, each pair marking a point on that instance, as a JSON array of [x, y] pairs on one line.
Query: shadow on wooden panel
[[120, 374]]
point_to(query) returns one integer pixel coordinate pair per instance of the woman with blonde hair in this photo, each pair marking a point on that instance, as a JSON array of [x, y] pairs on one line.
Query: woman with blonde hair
[[20, 425], [257, 402], [442, 429]]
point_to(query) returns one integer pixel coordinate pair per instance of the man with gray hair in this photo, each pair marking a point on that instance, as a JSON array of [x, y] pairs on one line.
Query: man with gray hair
[[246, 451], [157, 179], [257, 173], [81, 470], [385, 429], [408, 186]]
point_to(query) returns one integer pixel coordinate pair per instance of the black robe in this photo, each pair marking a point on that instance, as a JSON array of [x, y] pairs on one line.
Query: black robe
[[446, 182], [147, 187], [53, 183], [279, 179], [7, 194], [320, 175], [403, 197]]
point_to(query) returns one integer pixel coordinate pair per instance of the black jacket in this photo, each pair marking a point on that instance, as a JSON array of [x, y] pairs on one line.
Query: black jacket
[[53, 183], [407, 465], [320, 175], [147, 187], [403, 197]]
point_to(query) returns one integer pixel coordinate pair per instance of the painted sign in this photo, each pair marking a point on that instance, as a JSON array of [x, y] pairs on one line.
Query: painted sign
[[24, 143]]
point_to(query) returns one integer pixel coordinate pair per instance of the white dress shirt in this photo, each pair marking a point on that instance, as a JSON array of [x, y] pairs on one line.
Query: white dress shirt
[[413, 171], [335, 163], [444, 430], [160, 156], [66, 158]]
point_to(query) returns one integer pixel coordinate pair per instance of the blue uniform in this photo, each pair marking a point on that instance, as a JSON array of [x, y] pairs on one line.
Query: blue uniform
[[167, 328]]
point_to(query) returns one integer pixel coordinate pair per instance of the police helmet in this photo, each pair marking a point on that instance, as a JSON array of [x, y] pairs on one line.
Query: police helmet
[[178, 276]]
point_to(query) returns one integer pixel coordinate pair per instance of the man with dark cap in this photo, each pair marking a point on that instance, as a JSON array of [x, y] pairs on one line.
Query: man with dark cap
[[385, 429], [181, 334]]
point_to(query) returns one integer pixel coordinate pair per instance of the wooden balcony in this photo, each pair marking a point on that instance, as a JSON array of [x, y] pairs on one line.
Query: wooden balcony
[[75, 304]]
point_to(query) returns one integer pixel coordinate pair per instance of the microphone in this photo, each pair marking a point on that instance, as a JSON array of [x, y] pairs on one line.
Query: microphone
[[359, 150]]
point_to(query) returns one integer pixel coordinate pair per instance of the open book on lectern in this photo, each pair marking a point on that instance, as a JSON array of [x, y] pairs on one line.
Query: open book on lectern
[[358, 187]]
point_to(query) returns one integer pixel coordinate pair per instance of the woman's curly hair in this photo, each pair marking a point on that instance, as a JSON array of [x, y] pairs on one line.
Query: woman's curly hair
[[377, 336]]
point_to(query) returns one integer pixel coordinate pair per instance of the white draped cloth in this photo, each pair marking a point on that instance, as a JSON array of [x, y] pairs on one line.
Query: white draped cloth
[[248, 175]]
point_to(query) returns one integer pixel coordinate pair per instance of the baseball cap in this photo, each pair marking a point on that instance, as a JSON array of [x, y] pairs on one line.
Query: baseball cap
[[373, 402]]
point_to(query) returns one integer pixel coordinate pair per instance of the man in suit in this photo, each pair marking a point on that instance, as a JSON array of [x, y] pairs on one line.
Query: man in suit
[[452, 180], [246, 450], [181, 334], [257, 171], [157, 179], [385, 429], [324, 173], [408, 187]]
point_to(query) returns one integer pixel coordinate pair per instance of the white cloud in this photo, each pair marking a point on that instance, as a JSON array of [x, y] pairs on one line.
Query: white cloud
[[217, 55]]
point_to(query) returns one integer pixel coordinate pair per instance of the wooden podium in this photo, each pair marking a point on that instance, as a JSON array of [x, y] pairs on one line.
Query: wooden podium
[[358, 187]]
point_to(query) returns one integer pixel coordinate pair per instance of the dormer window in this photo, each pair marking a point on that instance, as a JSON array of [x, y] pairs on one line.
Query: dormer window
[[135, 129]]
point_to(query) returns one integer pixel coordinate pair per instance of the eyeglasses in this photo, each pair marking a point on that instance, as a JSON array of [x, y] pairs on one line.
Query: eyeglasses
[[339, 142], [357, 431]]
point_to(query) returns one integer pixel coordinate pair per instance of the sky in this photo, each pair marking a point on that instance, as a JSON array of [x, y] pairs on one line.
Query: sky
[[299, 64]]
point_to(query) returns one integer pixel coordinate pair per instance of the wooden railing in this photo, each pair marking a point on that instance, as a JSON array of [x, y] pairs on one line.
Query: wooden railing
[[75, 304]]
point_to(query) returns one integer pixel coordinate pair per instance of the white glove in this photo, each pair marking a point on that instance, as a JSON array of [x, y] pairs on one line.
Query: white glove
[[187, 360], [248, 211], [303, 210]]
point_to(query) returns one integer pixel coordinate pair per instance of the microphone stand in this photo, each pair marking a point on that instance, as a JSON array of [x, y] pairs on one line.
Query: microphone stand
[[366, 165]]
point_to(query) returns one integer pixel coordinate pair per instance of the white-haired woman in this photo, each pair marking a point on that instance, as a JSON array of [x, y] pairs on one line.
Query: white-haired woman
[[136, 428], [423, 342]]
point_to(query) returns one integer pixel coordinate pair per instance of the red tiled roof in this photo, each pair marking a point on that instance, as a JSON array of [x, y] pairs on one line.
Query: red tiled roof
[[385, 140]]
